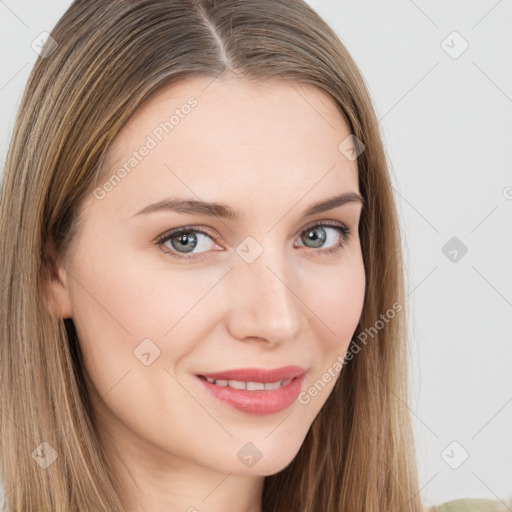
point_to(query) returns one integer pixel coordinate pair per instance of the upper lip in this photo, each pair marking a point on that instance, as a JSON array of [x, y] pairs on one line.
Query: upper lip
[[257, 374]]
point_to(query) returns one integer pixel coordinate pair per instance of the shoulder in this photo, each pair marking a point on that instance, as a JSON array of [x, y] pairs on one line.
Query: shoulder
[[471, 505]]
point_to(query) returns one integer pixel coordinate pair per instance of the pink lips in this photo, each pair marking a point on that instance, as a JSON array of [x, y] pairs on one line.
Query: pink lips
[[262, 401], [258, 374]]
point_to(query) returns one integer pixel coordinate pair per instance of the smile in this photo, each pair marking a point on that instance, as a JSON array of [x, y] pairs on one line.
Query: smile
[[249, 386], [261, 392]]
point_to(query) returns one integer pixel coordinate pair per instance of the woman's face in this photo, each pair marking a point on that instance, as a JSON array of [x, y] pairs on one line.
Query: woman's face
[[256, 289]]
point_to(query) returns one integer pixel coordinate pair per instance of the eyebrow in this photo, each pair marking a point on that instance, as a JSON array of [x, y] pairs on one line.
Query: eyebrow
[[194, 207]]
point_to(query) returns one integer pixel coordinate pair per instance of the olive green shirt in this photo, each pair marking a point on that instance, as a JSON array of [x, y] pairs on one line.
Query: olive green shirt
[[473, 505]]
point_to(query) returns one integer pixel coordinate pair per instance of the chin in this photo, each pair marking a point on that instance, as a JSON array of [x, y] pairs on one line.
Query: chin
[[268, 464]]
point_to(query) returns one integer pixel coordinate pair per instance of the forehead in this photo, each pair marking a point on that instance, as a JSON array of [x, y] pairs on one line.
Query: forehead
[[210, 113], [210, 134], [218, 94]]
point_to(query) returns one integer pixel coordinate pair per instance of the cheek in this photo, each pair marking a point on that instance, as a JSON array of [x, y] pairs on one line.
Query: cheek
[[344, 300], [122, 311], [337, 298], [119, 303]]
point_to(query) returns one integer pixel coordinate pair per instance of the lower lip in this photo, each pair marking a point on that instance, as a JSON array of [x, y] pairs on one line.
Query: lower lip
[[257, 402]]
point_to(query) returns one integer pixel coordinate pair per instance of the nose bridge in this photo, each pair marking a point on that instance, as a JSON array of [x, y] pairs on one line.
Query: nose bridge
[[262, 302]]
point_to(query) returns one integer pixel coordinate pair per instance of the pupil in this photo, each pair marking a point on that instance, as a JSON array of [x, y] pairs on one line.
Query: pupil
[[317, 239], [184, 239]]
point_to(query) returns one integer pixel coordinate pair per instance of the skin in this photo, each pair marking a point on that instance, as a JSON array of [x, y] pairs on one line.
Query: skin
[[269, 150]]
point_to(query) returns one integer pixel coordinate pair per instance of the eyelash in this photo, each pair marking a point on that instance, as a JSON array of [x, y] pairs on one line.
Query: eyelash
[[343, 230]]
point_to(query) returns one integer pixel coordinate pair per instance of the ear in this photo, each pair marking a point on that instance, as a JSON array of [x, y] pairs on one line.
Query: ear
[[55, 285]]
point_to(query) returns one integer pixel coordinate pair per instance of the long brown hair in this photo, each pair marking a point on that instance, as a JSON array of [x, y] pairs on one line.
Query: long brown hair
[[108, 58]]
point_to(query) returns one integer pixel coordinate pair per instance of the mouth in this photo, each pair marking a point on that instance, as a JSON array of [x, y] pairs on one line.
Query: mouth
[[256, 375], [254, 390], [249, 386]]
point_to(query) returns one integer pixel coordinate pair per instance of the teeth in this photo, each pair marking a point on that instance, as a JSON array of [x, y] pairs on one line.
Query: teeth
[[237, 384], [273, 385], [256, 386], [250, 386]]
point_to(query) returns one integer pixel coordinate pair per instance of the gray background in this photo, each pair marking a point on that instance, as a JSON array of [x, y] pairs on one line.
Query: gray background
[[447, 124]]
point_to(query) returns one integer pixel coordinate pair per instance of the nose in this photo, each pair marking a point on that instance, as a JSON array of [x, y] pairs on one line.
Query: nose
[[262, 303]]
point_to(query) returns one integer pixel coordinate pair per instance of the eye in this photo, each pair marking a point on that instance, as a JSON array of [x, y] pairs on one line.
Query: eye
[[318, 234], [186, 239], [181, 242]]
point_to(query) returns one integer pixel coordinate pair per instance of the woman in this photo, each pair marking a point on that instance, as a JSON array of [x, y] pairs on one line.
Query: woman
[[203, 304]]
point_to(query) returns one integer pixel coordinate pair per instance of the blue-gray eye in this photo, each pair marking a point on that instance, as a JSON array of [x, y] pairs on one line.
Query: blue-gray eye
[[185, 241], [181, 242], [316, 236]]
